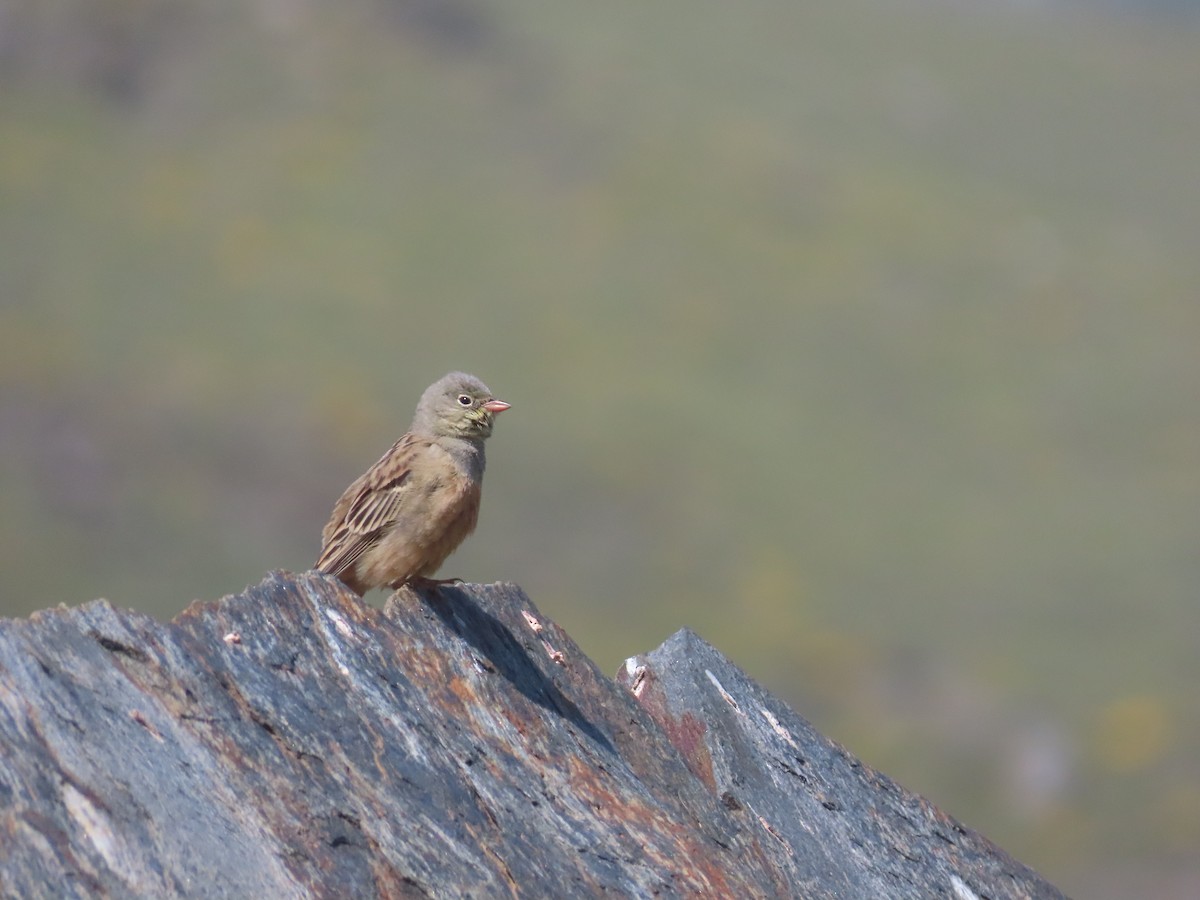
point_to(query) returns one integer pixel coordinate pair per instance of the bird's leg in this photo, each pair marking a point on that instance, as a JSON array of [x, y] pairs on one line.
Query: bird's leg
[[431, 583]]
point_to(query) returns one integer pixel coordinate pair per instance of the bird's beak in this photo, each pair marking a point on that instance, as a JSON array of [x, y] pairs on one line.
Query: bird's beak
[[496, 406]]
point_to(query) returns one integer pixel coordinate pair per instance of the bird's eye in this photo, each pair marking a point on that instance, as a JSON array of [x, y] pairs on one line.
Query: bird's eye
[[464, 400]]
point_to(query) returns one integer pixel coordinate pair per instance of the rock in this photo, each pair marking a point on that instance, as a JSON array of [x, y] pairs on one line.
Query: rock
[[292, 741], [839, 828]]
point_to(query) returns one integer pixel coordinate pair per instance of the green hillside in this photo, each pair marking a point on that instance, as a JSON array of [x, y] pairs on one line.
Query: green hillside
[[861, 337]]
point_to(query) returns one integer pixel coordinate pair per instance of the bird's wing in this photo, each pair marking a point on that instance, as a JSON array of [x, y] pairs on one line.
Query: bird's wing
[[369, 506]]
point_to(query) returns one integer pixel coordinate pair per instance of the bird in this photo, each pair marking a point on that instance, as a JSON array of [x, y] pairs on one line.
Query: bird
[[399, 520]]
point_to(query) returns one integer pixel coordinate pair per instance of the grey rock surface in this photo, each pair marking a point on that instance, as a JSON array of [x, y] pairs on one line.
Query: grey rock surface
[[840, 829], [293, 741]]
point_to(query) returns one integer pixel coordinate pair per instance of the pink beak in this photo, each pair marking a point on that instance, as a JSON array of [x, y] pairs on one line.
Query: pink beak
[[496, 406]]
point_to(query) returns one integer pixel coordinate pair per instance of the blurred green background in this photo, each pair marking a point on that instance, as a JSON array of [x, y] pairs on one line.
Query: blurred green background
[[863, 337]]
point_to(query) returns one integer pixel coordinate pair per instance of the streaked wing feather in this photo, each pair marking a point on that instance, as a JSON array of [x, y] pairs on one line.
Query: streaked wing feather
[[343, 551], [369, 506]]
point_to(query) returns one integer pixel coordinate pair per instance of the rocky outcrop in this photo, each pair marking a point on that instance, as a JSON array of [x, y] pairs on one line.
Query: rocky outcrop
[[293, 741]]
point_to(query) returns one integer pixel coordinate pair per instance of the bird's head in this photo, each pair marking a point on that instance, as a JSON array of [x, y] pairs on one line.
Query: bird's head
[[458, 406]]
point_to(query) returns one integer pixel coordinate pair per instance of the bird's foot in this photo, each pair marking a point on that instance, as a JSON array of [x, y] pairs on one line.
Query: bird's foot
[[433, 584]]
